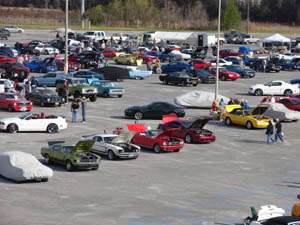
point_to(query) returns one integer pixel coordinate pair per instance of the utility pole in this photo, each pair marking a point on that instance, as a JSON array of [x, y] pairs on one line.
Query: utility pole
[[248, 16], [82, 11], [218, 52], [66, 68]]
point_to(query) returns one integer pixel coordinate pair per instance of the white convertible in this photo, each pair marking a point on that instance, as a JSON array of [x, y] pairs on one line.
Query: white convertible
[[114, 146], [22, 166], [33, 122], [276, 87], [46, 49]]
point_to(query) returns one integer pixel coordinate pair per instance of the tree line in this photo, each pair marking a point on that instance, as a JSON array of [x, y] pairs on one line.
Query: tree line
[[171, 13]]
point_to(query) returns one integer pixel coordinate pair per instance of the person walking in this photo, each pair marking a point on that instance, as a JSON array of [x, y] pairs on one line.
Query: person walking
[[83, 109], [269, 133], [74, 109], [278, 131]]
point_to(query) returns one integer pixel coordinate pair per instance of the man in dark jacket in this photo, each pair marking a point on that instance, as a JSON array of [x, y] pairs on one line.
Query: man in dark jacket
[[278, 133], [269, 133]]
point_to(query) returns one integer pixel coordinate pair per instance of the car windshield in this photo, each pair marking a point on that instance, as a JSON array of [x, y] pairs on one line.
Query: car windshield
[[12, 96], [81, 81], [68, 149], [153, 133], [268, 83], [25, 115], [108, 139], [89, 33]]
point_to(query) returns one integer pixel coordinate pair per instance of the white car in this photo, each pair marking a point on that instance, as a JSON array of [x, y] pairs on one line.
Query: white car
[[222, 62], [45, 49], [95, 35], [114, 146], [33, 122], [14, 29], [22, 167], [179, 54], [276, 87], [116, 37]]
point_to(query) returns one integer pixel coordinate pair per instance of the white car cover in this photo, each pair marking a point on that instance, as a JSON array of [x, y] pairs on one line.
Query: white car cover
[[21, 166], [279, 111], [198, 99]]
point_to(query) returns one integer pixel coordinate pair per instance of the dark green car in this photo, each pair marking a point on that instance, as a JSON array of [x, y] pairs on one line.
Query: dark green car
[[71, 154]]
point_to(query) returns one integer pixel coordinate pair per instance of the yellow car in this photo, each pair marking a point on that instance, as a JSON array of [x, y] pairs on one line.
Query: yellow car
[[126, 59], [245, 118]]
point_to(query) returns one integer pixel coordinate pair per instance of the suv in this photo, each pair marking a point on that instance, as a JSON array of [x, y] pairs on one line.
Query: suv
[[73, 155], [79, 87], [95, 35]]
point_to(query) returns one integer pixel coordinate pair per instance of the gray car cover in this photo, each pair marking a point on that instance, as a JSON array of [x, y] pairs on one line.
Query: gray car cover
[[22, 166], [198, 99], [279, 111]]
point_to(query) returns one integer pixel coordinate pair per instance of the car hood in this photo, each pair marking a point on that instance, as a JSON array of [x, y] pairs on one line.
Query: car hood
[[123, 138], [199, 123], [10, 119], [83, 145], [134, 108]]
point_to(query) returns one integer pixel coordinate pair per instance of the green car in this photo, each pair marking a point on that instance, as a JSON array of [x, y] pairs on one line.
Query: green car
[[79, 87], [107, 89], [71, 154], [126, 59]]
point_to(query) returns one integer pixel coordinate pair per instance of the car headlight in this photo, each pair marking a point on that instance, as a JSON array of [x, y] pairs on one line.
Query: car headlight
[[48, 99]]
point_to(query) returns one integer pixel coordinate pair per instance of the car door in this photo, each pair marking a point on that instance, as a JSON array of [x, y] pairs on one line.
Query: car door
[[275, 88], [100, 145], [154, 111], [32, 123], [57, 153], [3, 101], [237, 117]]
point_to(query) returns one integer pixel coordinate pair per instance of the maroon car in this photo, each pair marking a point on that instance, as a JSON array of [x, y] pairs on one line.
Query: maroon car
[[290, 103], [14, 70], [228, 52], [190, 130]]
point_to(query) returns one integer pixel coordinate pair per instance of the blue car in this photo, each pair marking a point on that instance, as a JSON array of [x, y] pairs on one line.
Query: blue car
[[137, 74], [176, 67], [89, 75], [295, 81], [163, 56], [49, 79], [42, 66]]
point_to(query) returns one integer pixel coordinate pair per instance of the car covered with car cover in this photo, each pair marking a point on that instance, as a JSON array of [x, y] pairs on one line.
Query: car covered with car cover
[[158, 141], [45, 97], [114, 146], [33, 122], [72, 154], [190, 130]]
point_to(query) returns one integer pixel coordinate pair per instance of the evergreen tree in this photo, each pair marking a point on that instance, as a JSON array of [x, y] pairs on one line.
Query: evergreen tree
[[232, 16]]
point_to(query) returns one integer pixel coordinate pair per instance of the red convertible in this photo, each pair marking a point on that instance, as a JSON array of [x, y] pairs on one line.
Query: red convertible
[[190, 130], [13, 103], [158, 140], [291, 103], [200, 64]]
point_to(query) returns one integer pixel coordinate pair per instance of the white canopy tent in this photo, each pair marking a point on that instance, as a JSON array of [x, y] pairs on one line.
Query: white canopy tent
[[277, 38]]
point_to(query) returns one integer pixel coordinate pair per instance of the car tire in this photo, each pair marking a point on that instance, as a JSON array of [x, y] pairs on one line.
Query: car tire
[[195, 84], [156, 148], [52, 128], [111, 155], [69, 166], [223, 78], [120, 96], [95, 168], [12, 128], [35, 82], [10, 109], [47, 159], [138, 115], [288, 92], [93, 98], [47, 52], [188, 139], [228, 121], [258, 92], [105, 94], [249, 125]]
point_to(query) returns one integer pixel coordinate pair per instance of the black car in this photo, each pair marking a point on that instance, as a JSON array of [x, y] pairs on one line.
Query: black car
[[288, 65], [295, 81], [179, 78], [88, 59], [244, 72], [282, 220], [154, 110], [205, 76], [113, 73], [45, 97]]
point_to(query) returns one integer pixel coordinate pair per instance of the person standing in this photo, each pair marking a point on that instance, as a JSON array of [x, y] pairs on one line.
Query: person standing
[[83, 109], [278, 132], [296, 208], [74, 110], [269, 133]]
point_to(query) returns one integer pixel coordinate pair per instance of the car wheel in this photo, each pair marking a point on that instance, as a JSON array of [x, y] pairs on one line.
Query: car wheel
[[52, 128], [12, 128], [195, 84], [249, 125], [47, 52], [258, 92], [184, 83], [111, 155], [35, 83], [120, 96], [228, 121], [188, 139], [10, 109], [138, 115], [222, 78], [184, 70], [93, 98], [69, 166], [105, 94], [288, 92], [156, 148], [47, 159]]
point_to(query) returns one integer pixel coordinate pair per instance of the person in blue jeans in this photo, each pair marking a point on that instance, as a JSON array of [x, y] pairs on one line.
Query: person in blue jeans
[[74, 110], [278, 133], [83, 109], [269, 133]]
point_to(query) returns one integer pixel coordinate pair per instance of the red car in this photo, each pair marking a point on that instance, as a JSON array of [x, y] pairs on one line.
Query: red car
[[295, 96], [228, 52], [14, 70], [158, 140], [290, 103], [200, 64], [225, 74], [13, 103], [109, 52], [4, 59], [191, 130]]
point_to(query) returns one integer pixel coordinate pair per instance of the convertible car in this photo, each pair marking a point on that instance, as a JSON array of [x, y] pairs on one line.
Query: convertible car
[[248, 118], [33, 122], [190, 130], [158, 141]]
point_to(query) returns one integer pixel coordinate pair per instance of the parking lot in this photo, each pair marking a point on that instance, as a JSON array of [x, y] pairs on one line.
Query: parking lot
[[202, 184]]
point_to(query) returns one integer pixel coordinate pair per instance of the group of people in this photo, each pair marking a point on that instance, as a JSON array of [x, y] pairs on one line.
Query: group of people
[[274, 129], [77, 104]]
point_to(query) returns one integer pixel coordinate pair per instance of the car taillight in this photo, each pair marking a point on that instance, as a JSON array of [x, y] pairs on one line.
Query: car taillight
[[15, 104], [164, 143]]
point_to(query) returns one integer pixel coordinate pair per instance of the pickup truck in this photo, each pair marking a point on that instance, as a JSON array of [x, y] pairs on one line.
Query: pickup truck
[[95, 35]]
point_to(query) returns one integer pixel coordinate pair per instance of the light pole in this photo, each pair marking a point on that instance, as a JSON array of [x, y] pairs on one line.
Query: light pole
[[66, 68], [248, 16], [218, 52]]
